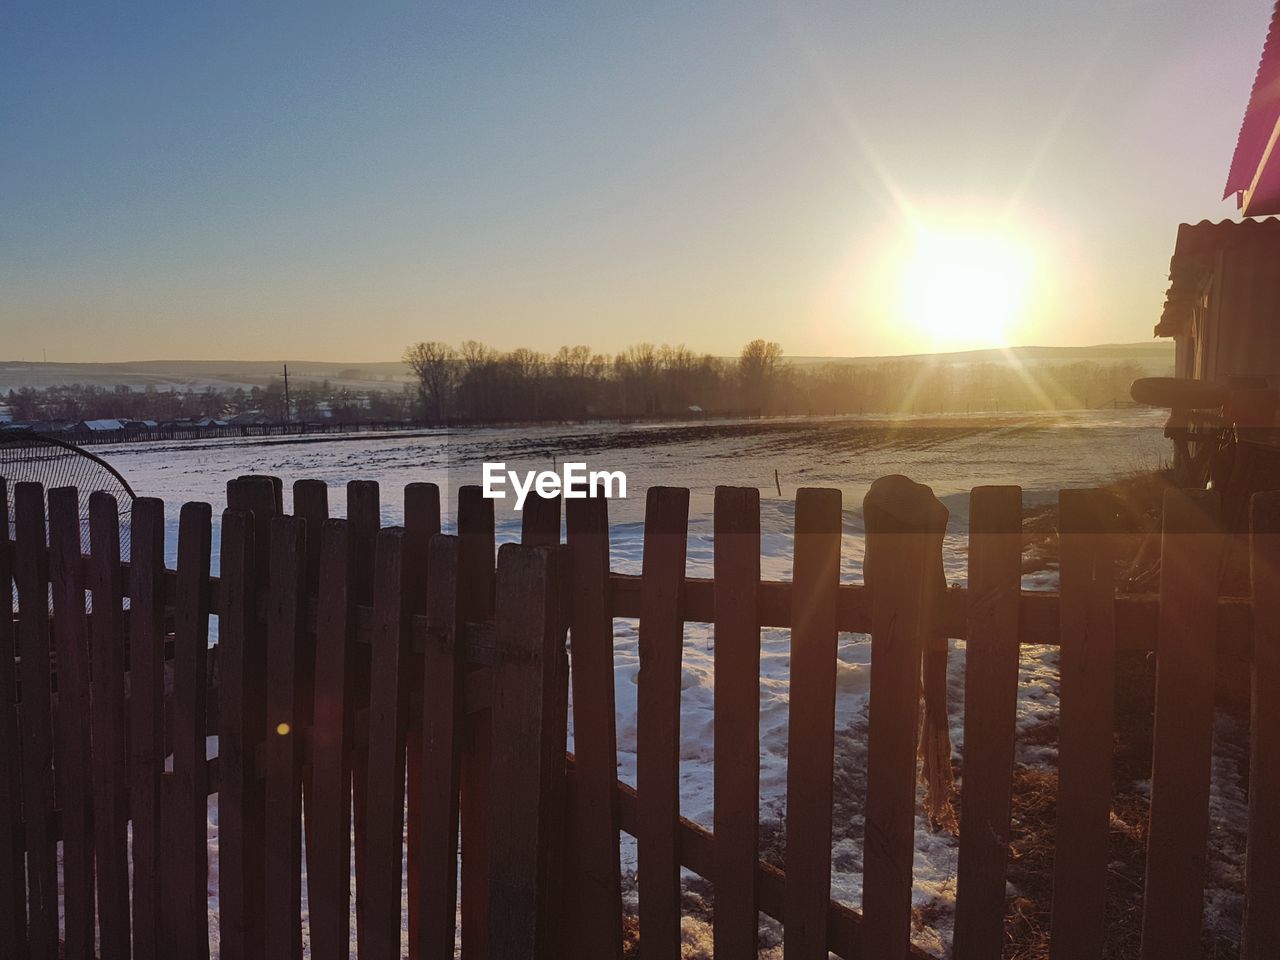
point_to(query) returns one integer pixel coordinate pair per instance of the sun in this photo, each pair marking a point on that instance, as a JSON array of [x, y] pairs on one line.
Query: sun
[[965, 288]]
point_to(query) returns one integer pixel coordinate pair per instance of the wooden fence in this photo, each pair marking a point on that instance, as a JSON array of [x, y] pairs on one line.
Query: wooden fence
[[355, 664]]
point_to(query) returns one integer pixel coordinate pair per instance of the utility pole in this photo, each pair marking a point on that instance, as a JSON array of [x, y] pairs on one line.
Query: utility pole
[[287, 418]]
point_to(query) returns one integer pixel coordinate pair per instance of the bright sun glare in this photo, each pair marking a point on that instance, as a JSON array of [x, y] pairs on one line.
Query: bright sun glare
[[965, 288]]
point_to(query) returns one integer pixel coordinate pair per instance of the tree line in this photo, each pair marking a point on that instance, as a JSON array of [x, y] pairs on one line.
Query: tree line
[[476, 382]]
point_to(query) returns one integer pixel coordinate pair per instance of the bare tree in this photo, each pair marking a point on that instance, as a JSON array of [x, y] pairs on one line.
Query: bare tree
[[434, 364], [757, 366]]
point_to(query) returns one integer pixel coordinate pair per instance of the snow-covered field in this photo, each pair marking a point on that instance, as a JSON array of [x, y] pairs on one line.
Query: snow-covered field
[[952, 454]]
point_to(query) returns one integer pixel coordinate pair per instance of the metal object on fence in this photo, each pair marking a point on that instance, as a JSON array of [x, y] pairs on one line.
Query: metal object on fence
[[30, 458]]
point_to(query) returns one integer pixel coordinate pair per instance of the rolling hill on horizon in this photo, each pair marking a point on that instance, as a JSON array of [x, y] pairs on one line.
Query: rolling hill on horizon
[[1155, 357]]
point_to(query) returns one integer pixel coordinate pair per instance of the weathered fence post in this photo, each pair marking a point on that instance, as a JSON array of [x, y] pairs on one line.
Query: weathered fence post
[[811, 723], [71, 721], [110, 750], [184, 821], [904, 522], [443, 667], [529, 716], [421, 523], [282, 750], [329, 810], [475, 563], [146, 726], [990, 710], [13, 887], [242, 662], [1262, 864], [1086, 728], [387, 725], [364, 518], [31, 574], [593, 919], [736, 719], [311, 505], [1181, 753], [661, 641]]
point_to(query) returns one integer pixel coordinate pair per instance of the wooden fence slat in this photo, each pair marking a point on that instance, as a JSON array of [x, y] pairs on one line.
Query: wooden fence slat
[[540, 521], [1181, 753], [311, 505], [185, 866], [242, 664], [364, 516], [990, 711], [661, 641], [13, 886], [905, 525], [72, 756], [146, 721], [110, 747], [283, 752], [437, 812], [593, 924], [31, 573], [380, 938], [1086, 724], [811, 723], [421, 523], [329, 815], [1261, 930], [529, 709], [475, 563], [737, 720]]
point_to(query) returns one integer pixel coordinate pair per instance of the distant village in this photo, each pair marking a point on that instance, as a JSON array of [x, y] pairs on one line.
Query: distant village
[[475, 384]]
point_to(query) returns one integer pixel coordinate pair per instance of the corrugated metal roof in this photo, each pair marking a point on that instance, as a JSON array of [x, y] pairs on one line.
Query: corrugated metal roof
[[1260, 116], [1194, 260]]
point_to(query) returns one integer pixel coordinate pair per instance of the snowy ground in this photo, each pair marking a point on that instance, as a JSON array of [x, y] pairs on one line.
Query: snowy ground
[[952, 454]]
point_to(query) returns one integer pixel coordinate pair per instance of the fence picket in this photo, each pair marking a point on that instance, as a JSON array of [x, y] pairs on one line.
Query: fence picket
[[329, 815], [242, 642], [1086, 715], [593, 874], [284, 735], [990, 709], [1181, 752], [475, 563], [184, 821], [1262, 862], [13, 887], [811, 722], [31, 573], [146, 723], [380, 939], [736, 719], [905, 524], [661, 641], [443, 664], [421, 523], [110, 749], [526, 815], [311, 505], [364, 515], [72, 756]]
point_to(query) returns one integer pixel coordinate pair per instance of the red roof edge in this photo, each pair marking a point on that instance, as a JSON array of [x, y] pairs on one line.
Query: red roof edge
[[1260, 115]]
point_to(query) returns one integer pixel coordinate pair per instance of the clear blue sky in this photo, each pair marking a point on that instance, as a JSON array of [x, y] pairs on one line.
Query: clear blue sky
[[333, 181]]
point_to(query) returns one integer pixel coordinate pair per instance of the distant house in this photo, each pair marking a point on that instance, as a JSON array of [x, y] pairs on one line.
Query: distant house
[[100, 426], [140, 424], [253, 418], [1254, 177]]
